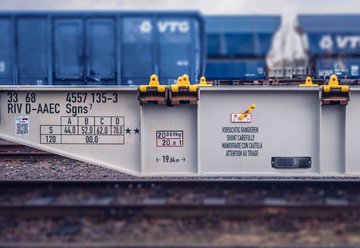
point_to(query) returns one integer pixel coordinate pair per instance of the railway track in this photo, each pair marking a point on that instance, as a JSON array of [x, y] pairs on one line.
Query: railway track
[[10, 151], [156, 245], [134, 200], [167, 198]]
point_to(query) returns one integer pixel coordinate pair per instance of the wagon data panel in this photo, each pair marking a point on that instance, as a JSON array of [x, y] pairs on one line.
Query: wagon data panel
[[85, 130], [87, 125]]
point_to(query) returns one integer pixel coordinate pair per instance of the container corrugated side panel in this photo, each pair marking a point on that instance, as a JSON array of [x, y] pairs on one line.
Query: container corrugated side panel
[[68, 51], [215, 47], [344, 68], [331, 34], [101, 51], [137, 41], [6, 51], [81, 48], [263, 43], [32, 50], [240, 44], [235, 69], [240, 36], [168, 45], [324, 44], [330, 23], [177, 49]]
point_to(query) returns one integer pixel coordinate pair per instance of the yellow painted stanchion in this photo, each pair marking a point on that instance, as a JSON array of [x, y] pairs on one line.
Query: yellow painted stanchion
[[183, 92], [334, 85], [183, 83], [308, 83], [153, 92], [153, 84], [203, 82], [334, 93]]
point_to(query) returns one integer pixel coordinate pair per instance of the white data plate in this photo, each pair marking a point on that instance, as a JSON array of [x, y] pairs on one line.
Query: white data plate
[[235, 118]]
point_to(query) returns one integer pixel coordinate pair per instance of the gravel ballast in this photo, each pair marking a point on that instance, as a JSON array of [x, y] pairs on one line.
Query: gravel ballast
[[56, 169]]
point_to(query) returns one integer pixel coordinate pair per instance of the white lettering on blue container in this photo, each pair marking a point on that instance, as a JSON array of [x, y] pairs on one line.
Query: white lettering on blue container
[[341, 42], [166, 27]]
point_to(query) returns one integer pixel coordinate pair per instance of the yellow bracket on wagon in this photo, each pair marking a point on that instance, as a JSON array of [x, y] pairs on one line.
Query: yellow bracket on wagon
[[153, 92], [334, 93], [308, 83], [183, 84], [183, 92], [203, 82], [153, 85], [334, 85]]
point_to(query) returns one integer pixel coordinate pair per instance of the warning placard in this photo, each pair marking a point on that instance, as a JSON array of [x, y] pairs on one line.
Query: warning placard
[[169, 138], [241, 142]]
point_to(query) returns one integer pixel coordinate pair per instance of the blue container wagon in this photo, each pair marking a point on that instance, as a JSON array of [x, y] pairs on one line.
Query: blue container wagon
[[342, 67], [331, 35], [100, 48], [237, 46]]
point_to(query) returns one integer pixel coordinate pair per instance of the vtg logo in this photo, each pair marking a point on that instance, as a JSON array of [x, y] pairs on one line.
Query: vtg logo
[[341, 42], [166, 26]]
